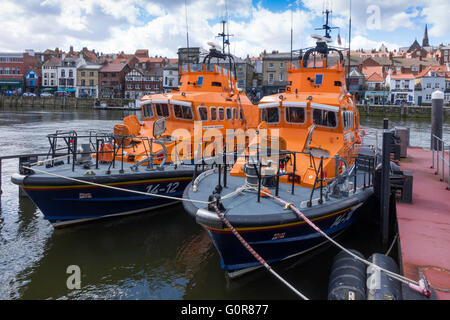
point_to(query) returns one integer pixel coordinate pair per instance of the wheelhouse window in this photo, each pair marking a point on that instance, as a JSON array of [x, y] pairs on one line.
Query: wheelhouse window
[[325, 118], [221, 114], [203, 113], [183, 112], [162, 109], [347, 119], [213, 114], [229, 117], [241, 114], [235, 115], [295, 115], [148, 111], [270, 115]]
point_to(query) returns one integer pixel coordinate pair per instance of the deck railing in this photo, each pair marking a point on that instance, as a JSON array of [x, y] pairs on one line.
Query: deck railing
[[439, 151]]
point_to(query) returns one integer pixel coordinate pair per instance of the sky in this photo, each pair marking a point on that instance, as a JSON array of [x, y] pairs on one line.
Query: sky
[[111, 26]]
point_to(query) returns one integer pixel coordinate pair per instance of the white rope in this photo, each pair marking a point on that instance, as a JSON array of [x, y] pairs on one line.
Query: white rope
[[392, 274], [115, 188]]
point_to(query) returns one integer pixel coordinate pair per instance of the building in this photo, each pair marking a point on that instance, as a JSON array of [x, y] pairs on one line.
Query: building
[[139, 83], [430, 80], [190, 55], [376, 91], [11, 73], [50, 74], [401, 88], [356, 84], [170, 77], [87, 81], [275, 76], [112, 80], [67, 74], [32, 81], [444, 55]]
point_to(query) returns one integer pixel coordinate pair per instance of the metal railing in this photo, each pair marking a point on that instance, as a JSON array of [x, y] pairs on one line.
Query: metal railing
[[439, 151]]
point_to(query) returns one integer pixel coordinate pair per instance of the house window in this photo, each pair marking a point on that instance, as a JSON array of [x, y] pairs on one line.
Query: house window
[[83, 82], [429, 85], [91, 83], [83, 73], [436, 86], [70, 73], [271, 65], [428, 97], [63, 73], [271, 77], [91, 74]]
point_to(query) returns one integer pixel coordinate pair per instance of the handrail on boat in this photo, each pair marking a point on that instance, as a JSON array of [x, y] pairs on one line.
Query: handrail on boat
[[439, 148]]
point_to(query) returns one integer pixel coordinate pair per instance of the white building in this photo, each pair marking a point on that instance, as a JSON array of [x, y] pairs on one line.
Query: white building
[[427, 82], [170, 77], [67, 74], [401, 88], [50, 74]]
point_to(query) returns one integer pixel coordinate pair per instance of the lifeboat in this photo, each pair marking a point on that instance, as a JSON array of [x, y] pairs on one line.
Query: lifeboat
[[308, 155], [141, 165]]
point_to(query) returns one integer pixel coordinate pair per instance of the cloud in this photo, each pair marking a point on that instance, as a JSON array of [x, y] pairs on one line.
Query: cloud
[[160, 25]]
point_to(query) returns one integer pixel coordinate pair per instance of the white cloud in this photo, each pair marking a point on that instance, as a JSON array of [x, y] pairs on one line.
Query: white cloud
[[159, 25]]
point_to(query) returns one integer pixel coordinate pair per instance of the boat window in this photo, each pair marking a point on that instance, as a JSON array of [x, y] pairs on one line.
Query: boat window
[[162, 109], [183, 112], [216, 84], [241, 114], [325, 118], [319, 79], [213, 114], [221, 114], [235, 115], [229, 114], [347, 119], [295, 115], [148, 111], [203, 113], [270, 115]]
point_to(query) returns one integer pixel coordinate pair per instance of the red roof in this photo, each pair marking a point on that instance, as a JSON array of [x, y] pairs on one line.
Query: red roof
[[403, 76], [113, 67], [375, 77], [440, 69]]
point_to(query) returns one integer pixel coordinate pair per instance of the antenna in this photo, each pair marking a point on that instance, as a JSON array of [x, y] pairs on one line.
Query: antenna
[[187, 30], [349, 45]]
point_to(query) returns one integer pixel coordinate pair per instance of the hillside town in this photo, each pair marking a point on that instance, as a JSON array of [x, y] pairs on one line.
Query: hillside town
[[407, 76]]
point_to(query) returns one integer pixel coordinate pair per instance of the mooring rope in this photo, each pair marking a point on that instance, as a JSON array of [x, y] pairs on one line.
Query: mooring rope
[[255, 254], [115, 188], [419, 286]]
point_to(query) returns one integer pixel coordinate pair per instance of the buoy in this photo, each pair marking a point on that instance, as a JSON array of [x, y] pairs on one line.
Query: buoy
[[379, 285], [348, 278]]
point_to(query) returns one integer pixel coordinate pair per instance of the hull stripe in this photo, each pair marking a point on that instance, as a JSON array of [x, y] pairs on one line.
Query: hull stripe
[[256, 229], [127, 183]]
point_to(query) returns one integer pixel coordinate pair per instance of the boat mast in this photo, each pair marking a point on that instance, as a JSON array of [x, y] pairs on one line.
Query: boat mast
[[349, 46]]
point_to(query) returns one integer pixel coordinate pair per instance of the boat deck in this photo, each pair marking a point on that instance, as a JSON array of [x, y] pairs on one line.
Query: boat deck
[[424, 225], [245, 204]]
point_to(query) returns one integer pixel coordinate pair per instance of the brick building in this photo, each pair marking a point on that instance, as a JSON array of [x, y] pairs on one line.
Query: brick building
[[112, 80], [11, 73]]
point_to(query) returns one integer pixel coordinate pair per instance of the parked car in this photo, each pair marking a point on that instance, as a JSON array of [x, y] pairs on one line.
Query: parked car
[[46, 94], [62, 94], [29, 94]]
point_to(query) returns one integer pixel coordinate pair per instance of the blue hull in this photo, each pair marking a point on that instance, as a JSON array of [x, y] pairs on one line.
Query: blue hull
[[74, 203], [275, 243]]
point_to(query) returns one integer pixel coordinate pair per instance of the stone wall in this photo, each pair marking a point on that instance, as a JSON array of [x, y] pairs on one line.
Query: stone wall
[[397, 111], [58, 102]]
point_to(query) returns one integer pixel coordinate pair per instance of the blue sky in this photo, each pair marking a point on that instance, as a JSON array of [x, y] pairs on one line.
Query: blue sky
[[257, 25]]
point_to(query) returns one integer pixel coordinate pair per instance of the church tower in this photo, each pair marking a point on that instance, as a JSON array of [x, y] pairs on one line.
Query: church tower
[[426, 42]]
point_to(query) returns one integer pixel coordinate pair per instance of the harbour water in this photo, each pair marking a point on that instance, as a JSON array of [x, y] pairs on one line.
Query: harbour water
[[159, 255]]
